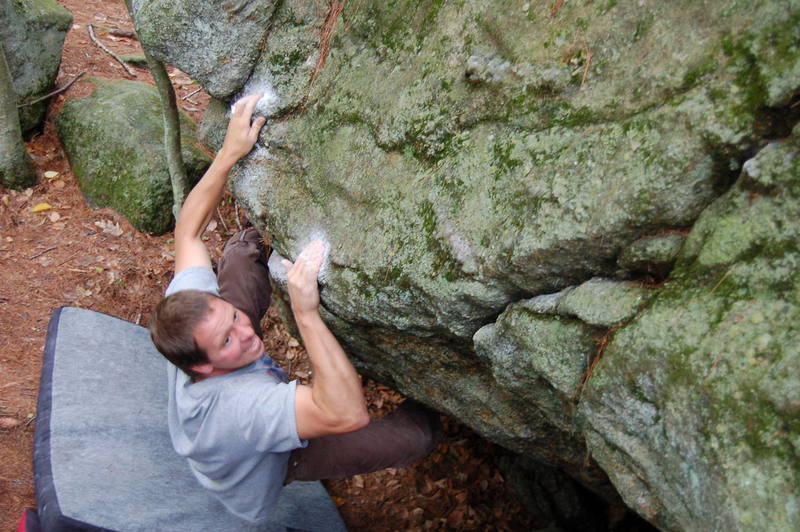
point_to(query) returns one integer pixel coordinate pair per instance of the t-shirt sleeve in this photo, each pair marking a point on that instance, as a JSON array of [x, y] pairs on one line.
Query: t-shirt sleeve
[[267, 420], [194, 278]]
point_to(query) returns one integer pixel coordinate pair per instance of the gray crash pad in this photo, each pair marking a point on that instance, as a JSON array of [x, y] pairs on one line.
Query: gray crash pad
[[103, 458]]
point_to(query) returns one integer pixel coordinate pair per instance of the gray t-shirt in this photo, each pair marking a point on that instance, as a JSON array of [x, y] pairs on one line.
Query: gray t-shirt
[[236, 429]]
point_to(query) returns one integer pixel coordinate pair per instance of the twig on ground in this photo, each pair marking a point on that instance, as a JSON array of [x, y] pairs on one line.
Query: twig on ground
[[119, 32], [190, 95], [109, 52], [51, 94], [556, 6], [222, 220], [51, 248], [238, 222]]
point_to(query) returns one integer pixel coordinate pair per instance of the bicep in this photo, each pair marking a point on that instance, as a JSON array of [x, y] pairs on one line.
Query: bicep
[[311, 421], [190, 252]]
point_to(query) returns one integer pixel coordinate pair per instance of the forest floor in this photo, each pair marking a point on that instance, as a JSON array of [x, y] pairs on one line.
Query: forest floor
[[71, 254]]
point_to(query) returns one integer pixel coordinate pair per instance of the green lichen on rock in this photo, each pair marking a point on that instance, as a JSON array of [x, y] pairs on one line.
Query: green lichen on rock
[[652, 254], [604, 302], [216, 42], [114, 140], [462, 156], [33, 34], [693, 410], [541, 358]]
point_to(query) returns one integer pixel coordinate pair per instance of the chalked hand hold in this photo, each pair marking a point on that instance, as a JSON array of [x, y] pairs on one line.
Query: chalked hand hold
[[316, 251]]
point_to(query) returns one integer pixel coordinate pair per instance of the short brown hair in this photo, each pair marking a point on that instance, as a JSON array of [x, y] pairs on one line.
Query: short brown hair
[[172, 328]]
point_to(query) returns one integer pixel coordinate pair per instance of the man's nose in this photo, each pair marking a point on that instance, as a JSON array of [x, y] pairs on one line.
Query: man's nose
[[245, 330]]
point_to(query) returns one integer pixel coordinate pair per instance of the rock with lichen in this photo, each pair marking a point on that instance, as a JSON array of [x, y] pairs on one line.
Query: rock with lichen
[[114, 140], [467, 161], [33, 34], [654, 255], [694, 408]]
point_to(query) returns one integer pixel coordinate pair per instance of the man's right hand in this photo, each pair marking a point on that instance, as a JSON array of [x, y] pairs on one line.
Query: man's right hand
[[302, 278], [242, 134]]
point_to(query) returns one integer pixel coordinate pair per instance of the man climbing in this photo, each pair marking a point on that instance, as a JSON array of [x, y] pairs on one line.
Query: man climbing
[[245, 430]]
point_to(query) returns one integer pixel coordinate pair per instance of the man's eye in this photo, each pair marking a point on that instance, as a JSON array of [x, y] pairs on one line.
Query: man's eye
[[227, 340], [236, 315]]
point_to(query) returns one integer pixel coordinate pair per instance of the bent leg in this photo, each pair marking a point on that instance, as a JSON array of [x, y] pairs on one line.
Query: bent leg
[[243, 276], [396, 440]]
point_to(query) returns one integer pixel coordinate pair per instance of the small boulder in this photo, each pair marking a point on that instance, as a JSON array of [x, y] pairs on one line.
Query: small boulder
[[33, 34], [605, 303], [654, 255], [114, 140]]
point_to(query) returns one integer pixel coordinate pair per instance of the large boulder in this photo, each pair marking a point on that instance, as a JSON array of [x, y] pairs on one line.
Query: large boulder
[[114, 140], [474, 166], [218, 42], [694, 409], [33, 34]]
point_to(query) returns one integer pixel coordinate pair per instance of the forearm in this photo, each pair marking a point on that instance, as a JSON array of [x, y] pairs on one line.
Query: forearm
[[336, 387], [204, 197]]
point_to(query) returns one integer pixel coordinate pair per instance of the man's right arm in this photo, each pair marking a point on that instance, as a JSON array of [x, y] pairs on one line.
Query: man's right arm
[[334, 402]]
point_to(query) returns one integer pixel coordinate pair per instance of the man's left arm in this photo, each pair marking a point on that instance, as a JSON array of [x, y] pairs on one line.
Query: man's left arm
[[207, 193]]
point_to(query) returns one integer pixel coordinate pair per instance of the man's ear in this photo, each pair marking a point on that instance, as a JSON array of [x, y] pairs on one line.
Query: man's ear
[[203, 369]]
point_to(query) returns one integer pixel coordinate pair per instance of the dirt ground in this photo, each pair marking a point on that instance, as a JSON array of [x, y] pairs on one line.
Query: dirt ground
[[55, 250]]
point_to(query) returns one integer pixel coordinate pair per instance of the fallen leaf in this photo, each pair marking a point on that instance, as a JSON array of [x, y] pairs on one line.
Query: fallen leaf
[[39, 207], [50, 174], [28, 192], [54, 216], [212, 225], [59, 184], [292, 342], [9, 422], [109, 227]]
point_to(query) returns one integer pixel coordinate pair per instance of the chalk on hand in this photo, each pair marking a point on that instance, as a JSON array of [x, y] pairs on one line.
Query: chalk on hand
[[277, 263], [267, 105]]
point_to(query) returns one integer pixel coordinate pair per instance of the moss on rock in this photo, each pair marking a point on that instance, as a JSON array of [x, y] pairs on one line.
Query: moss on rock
[[114, 140]]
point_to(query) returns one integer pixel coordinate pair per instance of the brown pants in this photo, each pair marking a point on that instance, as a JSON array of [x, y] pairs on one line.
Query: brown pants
[[396, 440]]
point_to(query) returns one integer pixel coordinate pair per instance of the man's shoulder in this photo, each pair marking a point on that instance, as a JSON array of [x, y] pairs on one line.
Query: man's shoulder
[[200, 278]]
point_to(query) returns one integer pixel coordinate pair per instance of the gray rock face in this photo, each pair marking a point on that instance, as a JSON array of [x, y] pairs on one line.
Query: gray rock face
[[33, 34], [603, 302], [115, 143], [652, 254], [467, 161], [693, 410], [217, 42]]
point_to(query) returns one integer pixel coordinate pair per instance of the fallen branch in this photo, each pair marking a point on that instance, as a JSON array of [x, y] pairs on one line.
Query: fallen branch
[[119, 32], [236, 210], [190, 95], [109, 52], [222, 220], [51, 248], [57, 91]]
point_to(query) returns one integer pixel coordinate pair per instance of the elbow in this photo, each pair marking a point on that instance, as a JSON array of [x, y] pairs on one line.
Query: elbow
[[362, 420], [358, 420]]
